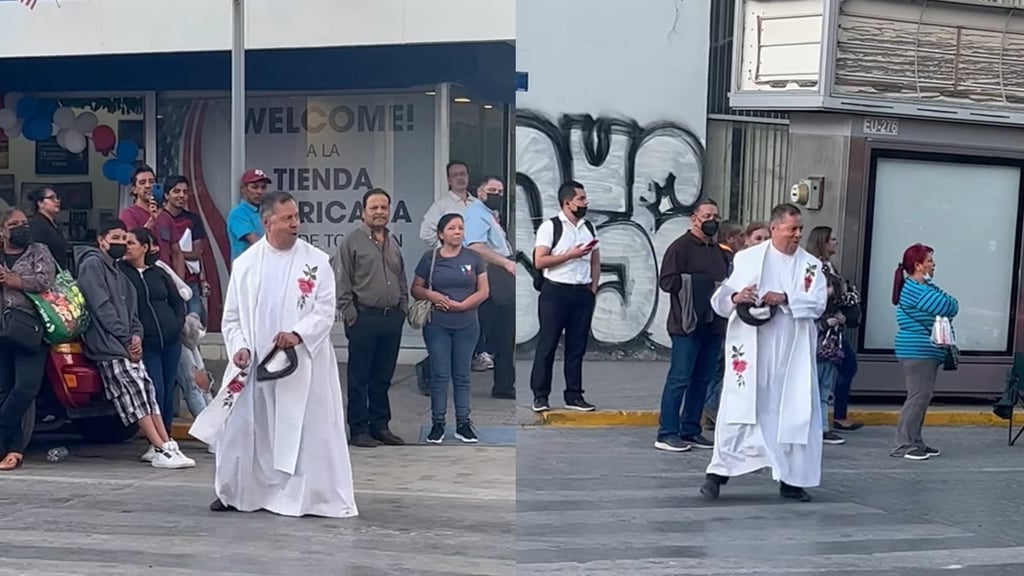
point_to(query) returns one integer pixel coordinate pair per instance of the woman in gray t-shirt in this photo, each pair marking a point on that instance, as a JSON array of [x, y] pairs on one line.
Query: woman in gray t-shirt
[[454, 280]]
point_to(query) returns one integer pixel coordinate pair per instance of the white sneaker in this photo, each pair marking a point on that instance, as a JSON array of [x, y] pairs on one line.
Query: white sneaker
[[170, 457], [150, 454]]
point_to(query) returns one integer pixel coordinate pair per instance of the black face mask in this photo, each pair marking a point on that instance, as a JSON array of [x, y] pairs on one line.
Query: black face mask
[[494, 202], [709, 228], [150, 259], [116, 251], [20, 237], [579, 211]]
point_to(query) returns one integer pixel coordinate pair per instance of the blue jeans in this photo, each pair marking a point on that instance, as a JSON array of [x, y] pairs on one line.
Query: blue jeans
[[451, 354], [195, 305], [828, 373], [715, 388], [847, 370], [162, 366], [186, 383], [692, 369]]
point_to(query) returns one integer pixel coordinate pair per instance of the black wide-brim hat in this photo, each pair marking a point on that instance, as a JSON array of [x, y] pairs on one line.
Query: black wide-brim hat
[[263, 371], [752, 315]]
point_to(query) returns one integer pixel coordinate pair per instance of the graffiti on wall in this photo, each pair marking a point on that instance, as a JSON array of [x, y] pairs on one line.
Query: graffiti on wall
[[642, 182]]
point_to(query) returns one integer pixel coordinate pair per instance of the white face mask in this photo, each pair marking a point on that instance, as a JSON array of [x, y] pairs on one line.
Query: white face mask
[[927, 277]]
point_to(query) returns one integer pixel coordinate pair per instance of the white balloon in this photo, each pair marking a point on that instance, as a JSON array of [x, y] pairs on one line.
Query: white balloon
[[8, 118], [60, 138], [64, 118], [74, 142], [86, 123], [54, 130], [11, 100], [14, 131]]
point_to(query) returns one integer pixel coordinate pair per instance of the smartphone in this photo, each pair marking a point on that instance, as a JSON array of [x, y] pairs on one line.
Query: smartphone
[[158, 194], [590, 245]]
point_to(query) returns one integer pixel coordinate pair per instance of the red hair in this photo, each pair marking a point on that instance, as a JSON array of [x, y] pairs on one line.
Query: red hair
[[912, 256]]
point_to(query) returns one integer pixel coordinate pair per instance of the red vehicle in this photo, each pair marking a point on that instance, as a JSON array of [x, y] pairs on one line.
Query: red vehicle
[[72, 394]]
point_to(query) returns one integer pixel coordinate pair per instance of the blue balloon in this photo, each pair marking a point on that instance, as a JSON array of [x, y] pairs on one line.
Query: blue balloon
[[37, 129], [110, 169], [126, 151], [27, 107], [124, 173]]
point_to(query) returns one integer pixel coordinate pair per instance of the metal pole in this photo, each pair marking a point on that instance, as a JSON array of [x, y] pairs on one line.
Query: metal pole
[[237, 97]]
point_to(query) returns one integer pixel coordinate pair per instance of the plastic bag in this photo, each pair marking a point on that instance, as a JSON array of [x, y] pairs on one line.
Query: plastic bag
[[942, 332]]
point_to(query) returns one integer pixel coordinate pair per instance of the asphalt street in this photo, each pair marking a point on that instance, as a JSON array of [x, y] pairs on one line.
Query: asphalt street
[[431, 511], [603, 502]]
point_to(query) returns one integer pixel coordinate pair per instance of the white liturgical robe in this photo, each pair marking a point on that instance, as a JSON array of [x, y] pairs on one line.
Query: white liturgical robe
[[769, 415], [281, 444]]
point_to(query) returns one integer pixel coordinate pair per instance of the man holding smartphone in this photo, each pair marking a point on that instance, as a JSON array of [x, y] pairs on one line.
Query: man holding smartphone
[[566, 253]]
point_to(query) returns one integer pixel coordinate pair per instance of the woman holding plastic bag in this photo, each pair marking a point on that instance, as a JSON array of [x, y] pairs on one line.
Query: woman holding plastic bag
[[923, 310]]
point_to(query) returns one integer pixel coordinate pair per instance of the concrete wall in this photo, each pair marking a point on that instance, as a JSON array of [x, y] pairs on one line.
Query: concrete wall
[[80, 27], [617, 100]]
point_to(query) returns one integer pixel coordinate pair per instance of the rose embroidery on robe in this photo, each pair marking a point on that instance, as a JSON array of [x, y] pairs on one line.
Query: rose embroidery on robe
[[739, 365], [306, 285], [235, 387], [809, 274]]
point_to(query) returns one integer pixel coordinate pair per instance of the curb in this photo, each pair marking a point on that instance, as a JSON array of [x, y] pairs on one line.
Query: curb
[[649, 418], [179, 431]]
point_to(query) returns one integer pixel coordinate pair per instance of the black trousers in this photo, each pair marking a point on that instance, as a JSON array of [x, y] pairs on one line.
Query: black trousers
[[21, 376], [568, 309], [373, 343], [498, 322]]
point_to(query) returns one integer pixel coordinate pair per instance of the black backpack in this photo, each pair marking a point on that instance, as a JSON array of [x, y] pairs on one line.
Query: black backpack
[[556, 235]]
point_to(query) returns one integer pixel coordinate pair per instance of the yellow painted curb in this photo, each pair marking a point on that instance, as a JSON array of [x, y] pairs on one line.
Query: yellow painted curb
[[648, 418]]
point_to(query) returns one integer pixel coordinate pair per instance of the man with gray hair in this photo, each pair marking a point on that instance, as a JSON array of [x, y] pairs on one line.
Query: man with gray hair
[[769, 415], [277, 422]]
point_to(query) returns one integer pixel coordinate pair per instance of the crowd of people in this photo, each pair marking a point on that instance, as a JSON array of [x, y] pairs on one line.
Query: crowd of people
[[143, 286], [761, 338]]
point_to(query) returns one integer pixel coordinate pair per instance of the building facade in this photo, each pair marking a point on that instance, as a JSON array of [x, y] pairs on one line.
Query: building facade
[[905, 119], [342, 96]]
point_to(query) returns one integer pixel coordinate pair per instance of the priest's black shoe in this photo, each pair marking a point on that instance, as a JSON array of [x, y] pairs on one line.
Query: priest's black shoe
[[387, 437], [712, 486], [793, 493], [218, 506]]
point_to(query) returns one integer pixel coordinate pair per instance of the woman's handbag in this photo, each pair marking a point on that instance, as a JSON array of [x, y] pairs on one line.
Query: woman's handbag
[[62, 310], [420, 311], [830, 346], [19, 328]]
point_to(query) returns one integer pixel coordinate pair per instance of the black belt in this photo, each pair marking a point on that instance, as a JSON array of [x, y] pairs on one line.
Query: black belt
[[378, 311], [569, 286]]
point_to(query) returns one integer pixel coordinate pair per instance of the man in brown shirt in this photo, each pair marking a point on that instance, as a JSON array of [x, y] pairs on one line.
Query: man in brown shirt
[[373, 296]]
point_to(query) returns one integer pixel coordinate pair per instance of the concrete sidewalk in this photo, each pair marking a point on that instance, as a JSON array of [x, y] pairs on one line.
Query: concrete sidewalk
[[410, 410], [628, 394]]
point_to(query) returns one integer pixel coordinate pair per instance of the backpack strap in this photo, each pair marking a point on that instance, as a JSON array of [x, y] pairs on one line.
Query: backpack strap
[[556, 232]]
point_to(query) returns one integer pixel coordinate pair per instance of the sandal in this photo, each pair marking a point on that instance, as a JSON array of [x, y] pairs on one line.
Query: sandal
[[12, 461]]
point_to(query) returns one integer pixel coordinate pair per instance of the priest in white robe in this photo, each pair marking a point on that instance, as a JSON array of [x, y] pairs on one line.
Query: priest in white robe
[[280, 438], [770, 416]]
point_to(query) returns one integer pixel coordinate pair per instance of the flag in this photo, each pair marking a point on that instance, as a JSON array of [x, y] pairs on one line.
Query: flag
[[30, 4]]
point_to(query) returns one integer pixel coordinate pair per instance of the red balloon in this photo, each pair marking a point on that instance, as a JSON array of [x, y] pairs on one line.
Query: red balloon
[[103, 139]]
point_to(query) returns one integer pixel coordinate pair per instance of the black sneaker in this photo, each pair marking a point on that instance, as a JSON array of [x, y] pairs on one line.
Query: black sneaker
[[793, 493], [932, 452], [712, 486], [466, 433], [832, 438], [541, 404], [700, 442], [579, 404], [916, 454], [436, 435], [671, 444]]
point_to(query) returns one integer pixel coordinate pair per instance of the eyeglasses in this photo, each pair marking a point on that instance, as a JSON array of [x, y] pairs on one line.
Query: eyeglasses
[[55, 198]]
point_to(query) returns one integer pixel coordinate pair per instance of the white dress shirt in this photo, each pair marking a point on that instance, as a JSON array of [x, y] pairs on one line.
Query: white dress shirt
[[448, 203], [576, 271]]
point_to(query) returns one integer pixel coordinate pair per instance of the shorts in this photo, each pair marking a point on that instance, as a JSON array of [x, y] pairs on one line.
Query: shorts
[[130, 388]]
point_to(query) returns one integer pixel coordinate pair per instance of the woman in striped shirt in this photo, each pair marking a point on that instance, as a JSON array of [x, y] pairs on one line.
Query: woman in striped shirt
[[918, 302]]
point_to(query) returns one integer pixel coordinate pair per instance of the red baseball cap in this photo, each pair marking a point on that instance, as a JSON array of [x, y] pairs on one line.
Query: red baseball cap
[[254, 175]]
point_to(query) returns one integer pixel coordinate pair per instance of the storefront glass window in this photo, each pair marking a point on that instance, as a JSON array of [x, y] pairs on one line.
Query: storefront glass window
[[969, 214], [479, 136], [70, 145], [327, 150]]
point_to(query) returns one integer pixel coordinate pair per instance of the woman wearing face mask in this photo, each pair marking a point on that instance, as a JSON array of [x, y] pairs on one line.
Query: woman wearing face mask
[[27, 268], [454, 280], [162, 314], [918, 302]]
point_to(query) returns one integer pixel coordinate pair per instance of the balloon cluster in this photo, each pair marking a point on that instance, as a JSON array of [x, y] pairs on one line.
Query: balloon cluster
[[39, 120], [121, 167]]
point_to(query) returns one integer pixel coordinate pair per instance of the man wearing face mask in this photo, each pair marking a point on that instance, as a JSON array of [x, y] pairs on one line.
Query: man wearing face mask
[[693, 266], [485, 236]]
